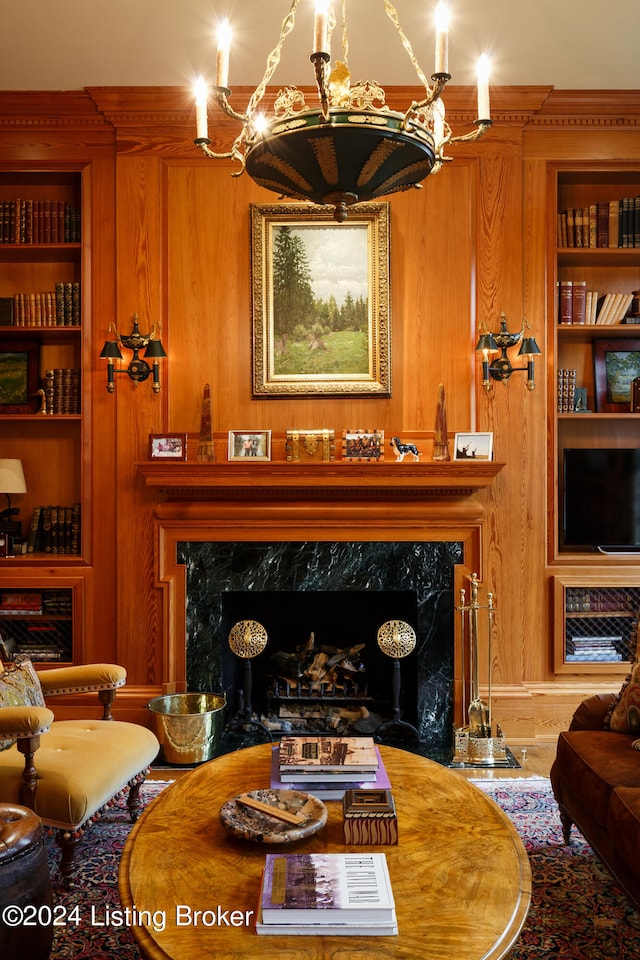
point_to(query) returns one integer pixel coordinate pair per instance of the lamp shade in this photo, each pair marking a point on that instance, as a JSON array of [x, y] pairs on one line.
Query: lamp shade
[[110, 351], [12, 477], [487, 342], [529, 348], [155, 350]]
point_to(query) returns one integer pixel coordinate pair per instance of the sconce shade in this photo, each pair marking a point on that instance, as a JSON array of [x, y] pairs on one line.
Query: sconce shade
[[529, 348], [110, 351], [155, 350], [12, 477], [486, 342]]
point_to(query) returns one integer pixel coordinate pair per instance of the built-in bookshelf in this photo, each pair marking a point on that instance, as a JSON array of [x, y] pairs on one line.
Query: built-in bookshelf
[[596, 623], [594, 300], [594, 311], [44, 336], [42, 342]]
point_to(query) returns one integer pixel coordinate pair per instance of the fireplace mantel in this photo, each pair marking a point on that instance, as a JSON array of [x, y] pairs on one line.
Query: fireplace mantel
[[280, 480]]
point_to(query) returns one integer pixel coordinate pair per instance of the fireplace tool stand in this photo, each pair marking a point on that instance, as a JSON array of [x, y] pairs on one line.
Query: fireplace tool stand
[[247, 639], [475, 743], [396, 639]]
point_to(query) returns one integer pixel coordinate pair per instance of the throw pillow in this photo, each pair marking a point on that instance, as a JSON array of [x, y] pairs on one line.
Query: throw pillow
[[19, 687], [625, 716]]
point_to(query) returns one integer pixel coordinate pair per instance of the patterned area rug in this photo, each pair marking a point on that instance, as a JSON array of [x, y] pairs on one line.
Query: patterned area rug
[[577, 913]]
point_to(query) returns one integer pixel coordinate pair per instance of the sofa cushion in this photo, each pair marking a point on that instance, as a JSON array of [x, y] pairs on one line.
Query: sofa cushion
[[19, 687], [593, 764], [624, 825], [625, 716]]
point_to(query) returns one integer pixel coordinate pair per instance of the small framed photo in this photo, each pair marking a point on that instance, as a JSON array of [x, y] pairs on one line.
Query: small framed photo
[[616, 365], [363, 446], [19, 376], [168, 446], [250, 445], [473, 446]]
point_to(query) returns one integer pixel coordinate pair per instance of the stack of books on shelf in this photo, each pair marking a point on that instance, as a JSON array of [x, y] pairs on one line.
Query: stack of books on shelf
[[62, 390], [593, 649], [55, 529], [327, 766], [579, 306], [327, 894], [39, 221], [609, 223]]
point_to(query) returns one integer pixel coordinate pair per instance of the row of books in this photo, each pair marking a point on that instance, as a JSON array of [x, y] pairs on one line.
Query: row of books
[[20, 602], [55, 529], [60, 307], [326, 894], [583, 599], [579, 306], [609, 223], [62, 390], [39, 221]]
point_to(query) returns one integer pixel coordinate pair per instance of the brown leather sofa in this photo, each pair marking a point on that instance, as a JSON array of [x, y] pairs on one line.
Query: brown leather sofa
[[596, 781]]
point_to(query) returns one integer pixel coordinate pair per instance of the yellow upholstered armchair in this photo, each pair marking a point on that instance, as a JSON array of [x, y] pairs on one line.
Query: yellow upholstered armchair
[[67, 771]]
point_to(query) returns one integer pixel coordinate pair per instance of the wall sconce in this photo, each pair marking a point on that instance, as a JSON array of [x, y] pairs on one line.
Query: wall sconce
[[501, 368], [138, 369]]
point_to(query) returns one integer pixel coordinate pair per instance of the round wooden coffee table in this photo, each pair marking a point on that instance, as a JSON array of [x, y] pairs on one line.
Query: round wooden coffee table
[[460, 874]]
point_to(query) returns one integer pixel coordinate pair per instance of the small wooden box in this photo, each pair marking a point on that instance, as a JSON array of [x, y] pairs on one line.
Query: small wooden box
[[308, 445], [370, 818]]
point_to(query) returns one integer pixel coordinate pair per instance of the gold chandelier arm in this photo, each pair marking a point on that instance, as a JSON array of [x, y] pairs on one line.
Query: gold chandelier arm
[[392, 13], [481, 128], [274, 58], [221, 95]]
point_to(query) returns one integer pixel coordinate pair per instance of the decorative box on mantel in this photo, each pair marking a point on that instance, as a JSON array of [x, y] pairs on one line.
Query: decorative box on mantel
[[370, 818]]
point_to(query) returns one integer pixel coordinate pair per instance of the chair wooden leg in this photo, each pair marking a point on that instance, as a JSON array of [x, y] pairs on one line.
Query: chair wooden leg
[[134, 802], [68, 843]]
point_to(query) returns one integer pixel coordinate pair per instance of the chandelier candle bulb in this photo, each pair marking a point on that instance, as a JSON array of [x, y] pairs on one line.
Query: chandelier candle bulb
[[484, 111], [222, 55], [442, 38], [320, 28], [202, 127]]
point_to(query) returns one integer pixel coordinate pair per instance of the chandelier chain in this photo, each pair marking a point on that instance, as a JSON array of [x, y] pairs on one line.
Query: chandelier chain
[[274, 58], [392, 13]]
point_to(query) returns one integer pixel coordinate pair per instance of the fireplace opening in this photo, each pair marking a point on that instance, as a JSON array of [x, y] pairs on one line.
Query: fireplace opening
[[348, 576], [322, 669]]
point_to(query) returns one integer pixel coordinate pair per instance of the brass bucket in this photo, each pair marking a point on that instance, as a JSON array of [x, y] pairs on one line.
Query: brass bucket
[[188, 725]]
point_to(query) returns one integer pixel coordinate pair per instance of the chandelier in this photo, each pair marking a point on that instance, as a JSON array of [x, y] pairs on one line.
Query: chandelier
[[350, 146]]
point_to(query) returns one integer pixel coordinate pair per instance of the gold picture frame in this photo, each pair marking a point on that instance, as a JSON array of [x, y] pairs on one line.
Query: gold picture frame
[[320, 304]]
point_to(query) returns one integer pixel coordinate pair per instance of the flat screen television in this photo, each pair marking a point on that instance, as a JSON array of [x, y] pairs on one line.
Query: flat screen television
[[601, 500]]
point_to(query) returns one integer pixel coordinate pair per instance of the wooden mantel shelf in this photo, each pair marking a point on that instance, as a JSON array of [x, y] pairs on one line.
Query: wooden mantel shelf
[[287, 480]]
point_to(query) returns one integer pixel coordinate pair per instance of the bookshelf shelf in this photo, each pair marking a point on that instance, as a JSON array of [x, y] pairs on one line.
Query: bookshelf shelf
[[596, 622]]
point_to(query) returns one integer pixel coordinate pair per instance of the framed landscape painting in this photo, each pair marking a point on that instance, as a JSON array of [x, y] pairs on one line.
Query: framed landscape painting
[[320, 304]]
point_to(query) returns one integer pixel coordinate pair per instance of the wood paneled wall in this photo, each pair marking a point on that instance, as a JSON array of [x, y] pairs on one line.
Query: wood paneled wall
[[172, 229]]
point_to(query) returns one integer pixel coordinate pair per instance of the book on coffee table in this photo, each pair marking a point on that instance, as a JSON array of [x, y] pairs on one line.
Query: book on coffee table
[[329, 788], [337, 894], [327, 756]]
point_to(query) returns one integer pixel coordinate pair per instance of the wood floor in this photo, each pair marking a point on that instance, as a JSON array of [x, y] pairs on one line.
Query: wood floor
[[535, 761]]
